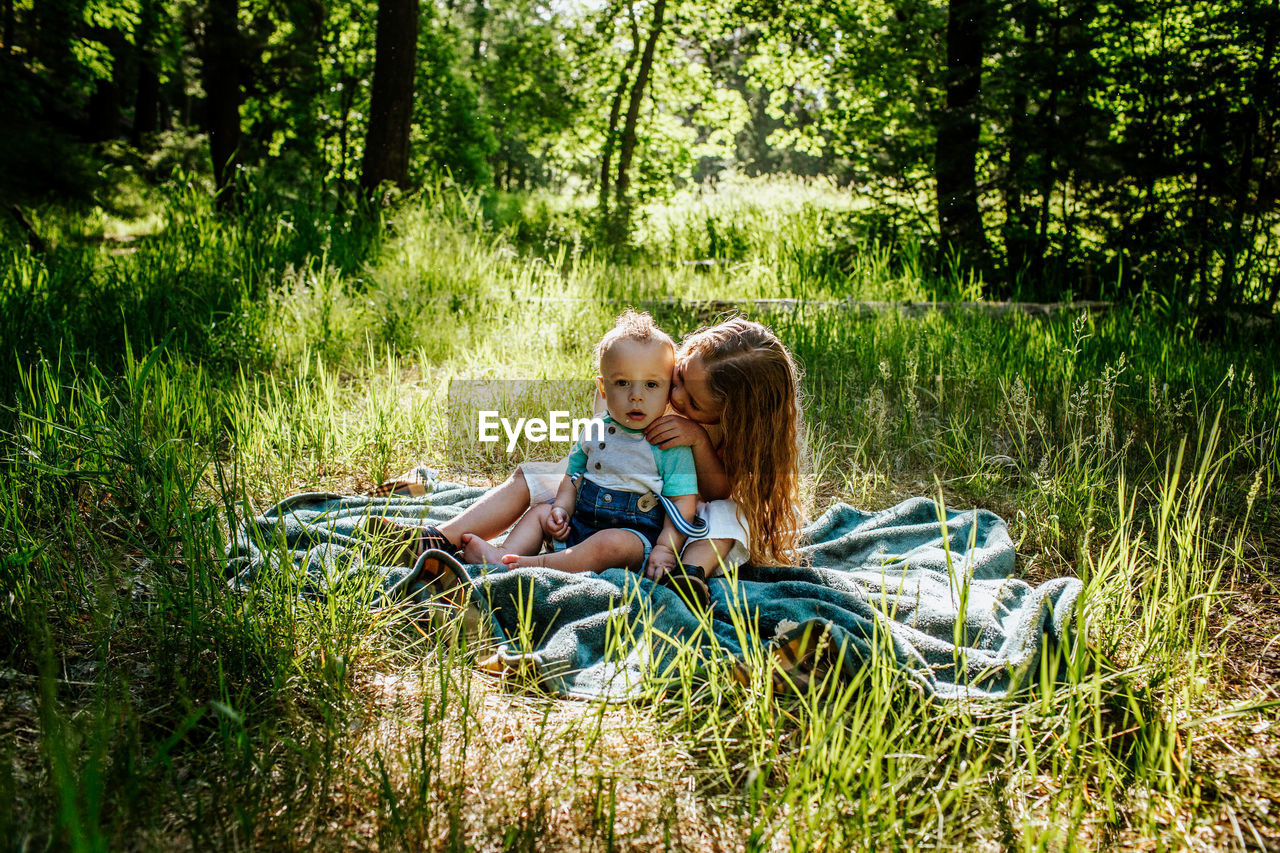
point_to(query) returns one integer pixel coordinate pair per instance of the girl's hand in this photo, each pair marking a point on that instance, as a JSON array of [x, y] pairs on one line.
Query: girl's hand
[[675, 431], [661, 560], [556, 524]]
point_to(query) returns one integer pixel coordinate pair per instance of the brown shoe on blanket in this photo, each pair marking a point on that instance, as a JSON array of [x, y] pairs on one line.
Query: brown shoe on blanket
[[445, 577], [690, 583]]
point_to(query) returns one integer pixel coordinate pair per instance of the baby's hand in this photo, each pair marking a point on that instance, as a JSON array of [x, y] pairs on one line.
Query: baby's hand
[[675, 431], [661, 560], [556, 524]]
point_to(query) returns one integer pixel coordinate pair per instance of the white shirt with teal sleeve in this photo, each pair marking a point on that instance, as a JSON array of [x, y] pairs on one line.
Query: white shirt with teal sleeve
[[614, 457]]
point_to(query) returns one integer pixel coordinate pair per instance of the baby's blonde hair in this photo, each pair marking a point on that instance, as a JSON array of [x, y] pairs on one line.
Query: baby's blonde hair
[[632, 325], [755, 380]]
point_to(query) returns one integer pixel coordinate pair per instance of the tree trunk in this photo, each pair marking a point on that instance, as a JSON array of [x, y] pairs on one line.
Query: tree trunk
[[1231, 285], [1018, 226], [347, 102], [175, 99], [146, 108], [8, 27], [104, 111], [1265, 86], [146, 102], [606, 160], [628, 143], [222, 93], [386, 150], [479, 18], [309, 22], [104, 103], [615, 111], [956, 152], [1049, 115]]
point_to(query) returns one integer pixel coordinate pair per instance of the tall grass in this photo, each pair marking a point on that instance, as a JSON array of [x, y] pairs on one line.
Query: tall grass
[[154, 399]]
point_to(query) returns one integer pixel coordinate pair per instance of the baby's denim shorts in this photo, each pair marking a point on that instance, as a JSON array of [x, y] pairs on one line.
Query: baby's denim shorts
[[599, 509]]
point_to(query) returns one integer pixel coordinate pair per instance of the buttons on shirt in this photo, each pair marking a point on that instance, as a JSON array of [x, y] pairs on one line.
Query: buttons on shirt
[[602, 445], [597, 466], [612, 430]]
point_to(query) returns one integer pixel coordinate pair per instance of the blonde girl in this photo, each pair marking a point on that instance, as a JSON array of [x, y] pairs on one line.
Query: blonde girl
[[735, 389]]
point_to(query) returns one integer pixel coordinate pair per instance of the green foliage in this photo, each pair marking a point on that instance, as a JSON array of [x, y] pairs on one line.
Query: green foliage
[[1194, 127], [1126, 147], [451, 131], [525, 75]]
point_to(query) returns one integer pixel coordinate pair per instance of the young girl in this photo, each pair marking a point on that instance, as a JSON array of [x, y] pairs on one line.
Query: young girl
[[735, 388], [734, 392]]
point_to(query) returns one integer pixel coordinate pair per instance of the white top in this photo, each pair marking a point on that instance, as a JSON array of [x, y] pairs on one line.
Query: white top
[[614, 457]]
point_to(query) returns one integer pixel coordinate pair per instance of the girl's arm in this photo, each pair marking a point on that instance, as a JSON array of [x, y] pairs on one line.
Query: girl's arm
[[674, 431]]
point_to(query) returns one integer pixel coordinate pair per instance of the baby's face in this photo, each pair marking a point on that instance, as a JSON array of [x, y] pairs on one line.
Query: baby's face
[[635, 378]]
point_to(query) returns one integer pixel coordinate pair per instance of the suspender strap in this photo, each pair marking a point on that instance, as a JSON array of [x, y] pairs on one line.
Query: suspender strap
[[694, 530]]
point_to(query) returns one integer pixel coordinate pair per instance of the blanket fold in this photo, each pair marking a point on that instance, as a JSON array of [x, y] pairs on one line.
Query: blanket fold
[[932, 592]]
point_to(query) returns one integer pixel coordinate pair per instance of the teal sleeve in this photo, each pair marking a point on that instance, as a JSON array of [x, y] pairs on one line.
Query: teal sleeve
[[675, 467], [577, 460]]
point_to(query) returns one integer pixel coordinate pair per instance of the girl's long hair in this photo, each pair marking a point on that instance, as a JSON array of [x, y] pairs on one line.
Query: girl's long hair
[[757, 383]]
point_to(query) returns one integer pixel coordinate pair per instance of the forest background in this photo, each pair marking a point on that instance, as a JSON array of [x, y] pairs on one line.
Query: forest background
[[1089, 148], [245, 246]]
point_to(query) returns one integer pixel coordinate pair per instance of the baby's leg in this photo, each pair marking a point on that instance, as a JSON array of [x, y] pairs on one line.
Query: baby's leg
[[524, 539], [607, 549]]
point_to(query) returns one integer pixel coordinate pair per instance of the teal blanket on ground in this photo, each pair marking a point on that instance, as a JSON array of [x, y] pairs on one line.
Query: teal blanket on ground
[[875, 582]]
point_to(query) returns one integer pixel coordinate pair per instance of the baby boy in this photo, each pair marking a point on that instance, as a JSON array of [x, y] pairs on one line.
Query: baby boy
[[623, 500]]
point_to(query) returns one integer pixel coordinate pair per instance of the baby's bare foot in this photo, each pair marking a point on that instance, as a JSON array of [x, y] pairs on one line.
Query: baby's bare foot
[[516, 561], [476, 551]]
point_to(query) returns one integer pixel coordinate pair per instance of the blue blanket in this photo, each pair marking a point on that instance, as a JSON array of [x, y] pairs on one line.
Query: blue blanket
[[892, 584]]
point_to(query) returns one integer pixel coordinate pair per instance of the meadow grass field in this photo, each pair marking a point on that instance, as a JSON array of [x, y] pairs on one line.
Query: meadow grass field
[[167, 372]]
